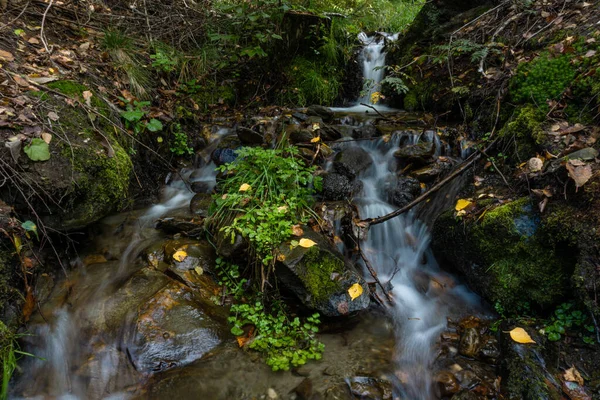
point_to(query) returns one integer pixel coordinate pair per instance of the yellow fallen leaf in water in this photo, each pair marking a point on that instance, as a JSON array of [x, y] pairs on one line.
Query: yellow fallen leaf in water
[[355, 290], [180, 255], [245, 187], [519, 335], [461, 204], [306, 243]]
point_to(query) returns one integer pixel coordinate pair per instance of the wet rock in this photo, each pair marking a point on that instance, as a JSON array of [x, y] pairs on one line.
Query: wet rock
[[470, 341], [228, 248], [489, 350], [432, 172], [508, 258], [446, 383], [370, 388], [304, 391], [403, 190], [587, 154], [198, 254], [301, 136], [329, 133], [300, 116], [338, 187], [202, 186], [225, 151], [417, 153], [171, 330], [249, 136], [320, 111], [467, 378], [200, 204], [306, 153], [352, 161], [319, 277], [364, 132], [523, 369], [187, 226]]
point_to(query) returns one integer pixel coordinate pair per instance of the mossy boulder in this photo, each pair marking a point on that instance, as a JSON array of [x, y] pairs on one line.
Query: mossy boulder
[[525, 128], [88, 173], [320, 277], [506, 255]]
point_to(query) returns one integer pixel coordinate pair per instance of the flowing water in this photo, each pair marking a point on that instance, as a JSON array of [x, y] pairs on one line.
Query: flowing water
[[86, 334]]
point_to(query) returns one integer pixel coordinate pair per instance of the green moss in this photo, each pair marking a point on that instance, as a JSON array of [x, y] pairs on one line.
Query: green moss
[[410, 101], [544, 78], [526, 378], [103, 182], [526, 130], [38, 94], [522, 265], [68, 88], [320, 267]]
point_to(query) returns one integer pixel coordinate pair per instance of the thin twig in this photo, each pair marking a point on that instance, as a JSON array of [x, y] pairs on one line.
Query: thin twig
[[374, 275], [42, 28], [378, 113]]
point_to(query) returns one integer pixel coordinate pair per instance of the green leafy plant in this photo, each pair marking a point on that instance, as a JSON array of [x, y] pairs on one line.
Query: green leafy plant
[[179, 143], [136, 117], [229, 277], [37, 150], [285, 342], [567, 318], [164, 61], [265, 192]]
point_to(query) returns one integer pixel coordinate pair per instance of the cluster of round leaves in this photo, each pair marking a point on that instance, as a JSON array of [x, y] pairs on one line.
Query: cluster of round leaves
[[544, 78]]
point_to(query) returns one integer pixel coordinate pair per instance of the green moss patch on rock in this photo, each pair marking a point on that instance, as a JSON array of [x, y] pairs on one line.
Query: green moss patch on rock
[[505, 256], [525, 128]]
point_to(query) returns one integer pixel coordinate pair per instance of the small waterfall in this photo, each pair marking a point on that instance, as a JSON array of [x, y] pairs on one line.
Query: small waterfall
[[399, 251], [373, 60]]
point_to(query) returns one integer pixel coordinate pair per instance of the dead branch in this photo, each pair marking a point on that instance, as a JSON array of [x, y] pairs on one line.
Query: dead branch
[[366, 223], [374, 275], [378, 113]]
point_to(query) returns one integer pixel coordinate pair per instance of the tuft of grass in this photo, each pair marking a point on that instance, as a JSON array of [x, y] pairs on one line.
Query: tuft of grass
[[9, 354]]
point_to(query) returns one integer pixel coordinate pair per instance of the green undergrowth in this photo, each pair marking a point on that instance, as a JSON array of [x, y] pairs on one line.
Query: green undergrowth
[[310, 82], [9, 354], [267, 327], [264, 193]]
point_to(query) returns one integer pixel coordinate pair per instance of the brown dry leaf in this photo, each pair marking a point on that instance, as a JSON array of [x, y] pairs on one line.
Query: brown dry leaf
[[297, 230], [578, 172], [306, 243], [519, 335], [87, 96], [572, 375], [461, 204], [6, 56], [33, 40], [53, 116], [180, 255], [20, 81], [355, 291], [46, 137], [29, 305]]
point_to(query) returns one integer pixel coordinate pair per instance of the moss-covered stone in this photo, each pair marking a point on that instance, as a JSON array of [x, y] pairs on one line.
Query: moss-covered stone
[[319, 277], [525, 127], [88, 173], [505, 255]]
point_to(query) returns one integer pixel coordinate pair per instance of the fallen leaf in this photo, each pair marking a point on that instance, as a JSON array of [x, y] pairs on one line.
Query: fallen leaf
[[306, 243], [40, 80], [29, 305], [37, 150], [46, 137], [519, 335], [590, 53], [199, 270], [282, 208], [180, 255], [535, 164], [579, 173], [315, 140], [572, 375], [6, 56], [53, 116], [245, 187], [355, 291], [297, 230], [87, 96], [281, 257], [461, 204], [94, 259]]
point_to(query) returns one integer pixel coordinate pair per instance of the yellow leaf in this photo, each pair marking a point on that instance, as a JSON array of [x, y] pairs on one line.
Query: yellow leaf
[[159, 139], [245, 187], [572, 375], [375, 97], [306, 243], [519, 335], [315, 140], [199, 270], [280, 257], [282, 208], [461, 204], [355, 290], [180, 255]]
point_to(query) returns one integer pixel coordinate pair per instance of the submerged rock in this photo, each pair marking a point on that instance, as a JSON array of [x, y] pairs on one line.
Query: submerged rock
[[200, 204], [320, 277], [172, 331], [352, 161], [403, 190], [368, 388], [420, 152]]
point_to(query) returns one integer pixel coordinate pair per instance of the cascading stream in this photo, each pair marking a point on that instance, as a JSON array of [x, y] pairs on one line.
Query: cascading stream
[[372, 57]]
